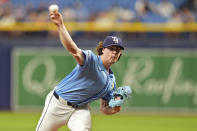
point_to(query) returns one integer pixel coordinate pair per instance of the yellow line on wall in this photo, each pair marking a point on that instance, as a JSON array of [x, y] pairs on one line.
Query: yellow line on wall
[[102, 27]]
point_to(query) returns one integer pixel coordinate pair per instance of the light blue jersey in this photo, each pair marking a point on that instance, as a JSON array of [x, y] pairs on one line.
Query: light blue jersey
[[88, 82]]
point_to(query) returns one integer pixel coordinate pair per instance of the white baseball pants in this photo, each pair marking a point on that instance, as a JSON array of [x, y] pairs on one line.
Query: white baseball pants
[[57, 113]]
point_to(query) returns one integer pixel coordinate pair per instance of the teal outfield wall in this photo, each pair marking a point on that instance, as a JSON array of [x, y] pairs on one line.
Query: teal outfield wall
[[162, 79]]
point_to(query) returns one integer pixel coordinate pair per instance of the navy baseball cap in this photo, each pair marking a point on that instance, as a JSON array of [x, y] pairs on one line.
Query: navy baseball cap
[[113, 40]]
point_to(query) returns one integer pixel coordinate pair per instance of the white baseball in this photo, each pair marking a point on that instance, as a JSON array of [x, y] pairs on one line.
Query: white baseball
[[53, 8]]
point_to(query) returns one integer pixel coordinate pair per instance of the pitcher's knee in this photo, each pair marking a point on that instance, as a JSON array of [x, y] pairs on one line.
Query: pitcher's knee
[[80, 129]]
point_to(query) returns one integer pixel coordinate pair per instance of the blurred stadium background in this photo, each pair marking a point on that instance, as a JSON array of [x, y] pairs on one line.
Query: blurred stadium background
[[160, 62]]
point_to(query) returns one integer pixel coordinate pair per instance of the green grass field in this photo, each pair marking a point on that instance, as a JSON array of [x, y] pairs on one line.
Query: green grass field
[[10, 121]]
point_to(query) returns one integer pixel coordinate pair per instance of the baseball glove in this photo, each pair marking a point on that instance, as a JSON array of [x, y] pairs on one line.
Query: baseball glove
[[119, 96]]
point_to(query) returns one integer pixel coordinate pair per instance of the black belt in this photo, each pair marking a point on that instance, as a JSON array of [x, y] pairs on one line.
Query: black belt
[[68, 103]]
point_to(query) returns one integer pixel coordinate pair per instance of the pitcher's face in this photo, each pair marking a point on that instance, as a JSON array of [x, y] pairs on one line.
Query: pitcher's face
[[112, 53]]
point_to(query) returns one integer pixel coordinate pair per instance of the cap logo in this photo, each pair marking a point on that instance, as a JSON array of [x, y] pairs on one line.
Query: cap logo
[[115, 39]]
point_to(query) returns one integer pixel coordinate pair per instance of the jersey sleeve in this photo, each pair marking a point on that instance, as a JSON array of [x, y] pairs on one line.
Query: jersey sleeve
[[89, 58], [108, 96]]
